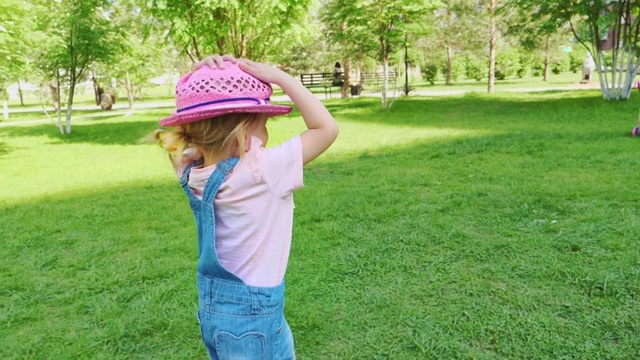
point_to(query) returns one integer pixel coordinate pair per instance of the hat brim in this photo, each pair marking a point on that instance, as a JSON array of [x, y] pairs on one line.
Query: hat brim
[[186, 117]]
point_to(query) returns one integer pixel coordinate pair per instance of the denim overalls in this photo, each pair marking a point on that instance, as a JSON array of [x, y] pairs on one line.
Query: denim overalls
[[237, 321]]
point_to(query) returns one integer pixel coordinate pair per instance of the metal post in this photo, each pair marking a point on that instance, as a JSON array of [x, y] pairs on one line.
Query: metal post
[[406, 66]]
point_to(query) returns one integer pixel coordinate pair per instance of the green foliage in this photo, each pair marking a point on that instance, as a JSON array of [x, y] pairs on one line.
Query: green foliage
[[312, 56], [527, 60], [415, 56], [143, 53], [523, 70], [507, 64], [457, 68], [17, 36], [79, 34], [561, 65], [375, 28], [590, 21], [576, 59], [4, 94], [255, 29], [429, 72], [475, 68]]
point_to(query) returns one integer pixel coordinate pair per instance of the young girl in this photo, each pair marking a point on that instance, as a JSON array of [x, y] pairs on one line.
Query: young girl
[[241, 196]]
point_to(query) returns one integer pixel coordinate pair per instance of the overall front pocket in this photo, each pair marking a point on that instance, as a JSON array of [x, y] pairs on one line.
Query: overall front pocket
[[250, 346]]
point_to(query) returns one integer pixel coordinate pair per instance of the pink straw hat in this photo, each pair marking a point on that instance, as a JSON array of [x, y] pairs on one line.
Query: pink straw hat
[[207, 93]]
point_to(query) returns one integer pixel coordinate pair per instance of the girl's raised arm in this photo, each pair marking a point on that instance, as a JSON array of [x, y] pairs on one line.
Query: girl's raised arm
[[322, 129]]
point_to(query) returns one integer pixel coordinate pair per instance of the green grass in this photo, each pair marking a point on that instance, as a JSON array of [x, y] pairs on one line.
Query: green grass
[[528, 82], [466, 227]]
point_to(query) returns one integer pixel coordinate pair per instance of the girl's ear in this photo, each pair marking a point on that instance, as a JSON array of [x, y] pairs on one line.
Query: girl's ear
[[247, 141]]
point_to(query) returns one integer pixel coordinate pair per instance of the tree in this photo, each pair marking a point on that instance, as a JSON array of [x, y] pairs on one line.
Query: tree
[[141, 54], [600, 26], [79, 33], [455, 24], [377, 27], [534, 34], [16, 37], [497, 16], [343, 27], [254, 29]]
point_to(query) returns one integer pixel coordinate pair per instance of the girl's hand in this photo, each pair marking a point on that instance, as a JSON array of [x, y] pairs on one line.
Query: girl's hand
[[214, 61], [263, 72]]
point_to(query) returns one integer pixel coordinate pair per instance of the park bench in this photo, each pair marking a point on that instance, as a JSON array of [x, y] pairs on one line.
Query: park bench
[[377, 79], [320, 80]]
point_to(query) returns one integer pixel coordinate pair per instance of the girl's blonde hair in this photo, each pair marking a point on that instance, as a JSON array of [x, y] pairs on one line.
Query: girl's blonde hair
[[224, 136]]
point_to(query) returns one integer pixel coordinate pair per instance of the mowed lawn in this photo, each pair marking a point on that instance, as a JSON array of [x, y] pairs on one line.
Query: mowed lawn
[[466, 227]]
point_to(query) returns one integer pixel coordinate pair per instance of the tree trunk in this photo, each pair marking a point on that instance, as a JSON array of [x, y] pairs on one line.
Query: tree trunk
[[243, 49], [385, 81], [449, 55], [616, 78], [96, 89], [406, 65], [54, 93], [57, 102], [130, 95], [492, 48], [20, 93], [449, 50], [361, 69], [5, 109], [347, 68], [620, 90], [345, 81], [547, 59], [72, 88]]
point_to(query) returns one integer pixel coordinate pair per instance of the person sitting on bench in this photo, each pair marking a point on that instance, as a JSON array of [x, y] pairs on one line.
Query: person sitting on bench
[[337, 75]]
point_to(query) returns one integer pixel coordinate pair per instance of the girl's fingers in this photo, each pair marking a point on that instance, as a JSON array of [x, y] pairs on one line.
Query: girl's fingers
[[244, 65], [248, 66], [229, 58], [218, 60], [206, 61], [214, 61]]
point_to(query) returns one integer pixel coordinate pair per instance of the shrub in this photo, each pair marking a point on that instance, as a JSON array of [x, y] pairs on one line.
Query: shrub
[[537, 70], [507, 64], [527, 62], [429, 72], [475, 68], [561, 65], [575, 62], [457, 68], [523, 70]]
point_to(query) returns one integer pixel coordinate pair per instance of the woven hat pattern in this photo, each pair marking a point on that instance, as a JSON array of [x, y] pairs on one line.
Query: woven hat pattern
[[207, 93]]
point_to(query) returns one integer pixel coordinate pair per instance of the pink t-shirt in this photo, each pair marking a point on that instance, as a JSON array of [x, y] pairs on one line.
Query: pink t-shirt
[[254, 211]]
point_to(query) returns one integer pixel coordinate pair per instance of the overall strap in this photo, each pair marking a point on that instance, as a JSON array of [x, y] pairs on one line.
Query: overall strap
[[184, 179], [223, 169], [204, 212]]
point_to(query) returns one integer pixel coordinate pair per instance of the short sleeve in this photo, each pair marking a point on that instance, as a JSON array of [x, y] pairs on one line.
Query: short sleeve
[[283, 167]]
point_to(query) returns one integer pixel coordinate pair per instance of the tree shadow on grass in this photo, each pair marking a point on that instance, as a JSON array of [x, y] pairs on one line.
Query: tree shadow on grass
[[95, 257], [111, 133], [4, 149], [531, 112]]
